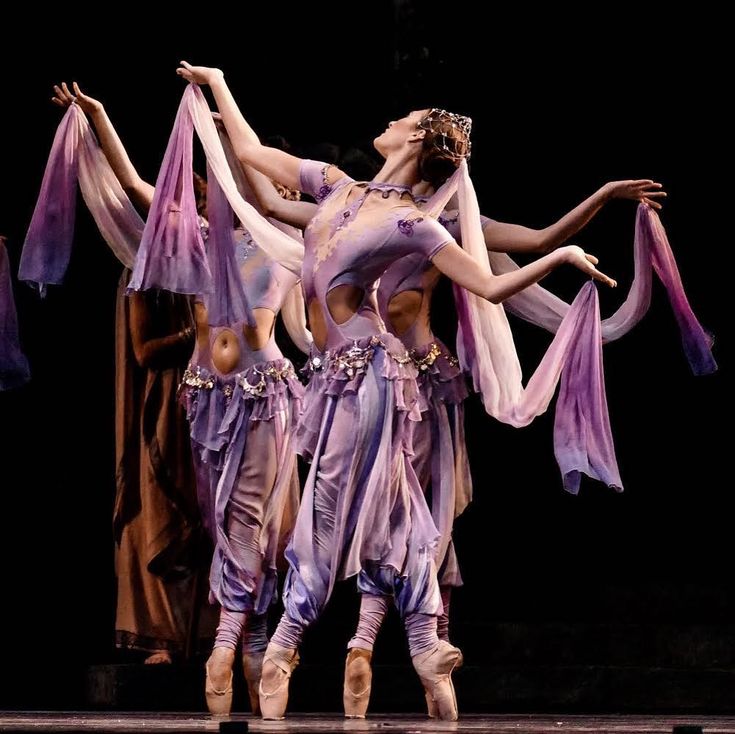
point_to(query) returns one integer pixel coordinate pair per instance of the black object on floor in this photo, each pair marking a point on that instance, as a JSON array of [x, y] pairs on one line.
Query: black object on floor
[[241, 727]]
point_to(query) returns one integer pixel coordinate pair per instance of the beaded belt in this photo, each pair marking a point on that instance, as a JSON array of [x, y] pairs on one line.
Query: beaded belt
[[193, 378], [423, 363], [205, 380], [257, 389], [354, 359]]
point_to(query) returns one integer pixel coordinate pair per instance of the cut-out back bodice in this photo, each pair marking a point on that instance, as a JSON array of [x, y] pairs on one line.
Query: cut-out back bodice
[[358, 231], [266, 284]]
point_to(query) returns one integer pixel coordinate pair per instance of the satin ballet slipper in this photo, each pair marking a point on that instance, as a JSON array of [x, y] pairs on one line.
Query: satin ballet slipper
[[431, 708], [434, 668], [219, 702], [252, 666], [273, 703], [358, 674]]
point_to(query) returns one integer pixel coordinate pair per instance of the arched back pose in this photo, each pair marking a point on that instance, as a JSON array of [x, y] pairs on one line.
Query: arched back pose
[[363, 510], [439, 454]]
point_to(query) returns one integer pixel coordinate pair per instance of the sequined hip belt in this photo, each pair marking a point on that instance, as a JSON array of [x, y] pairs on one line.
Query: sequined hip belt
[[352, 358], [253, 381]]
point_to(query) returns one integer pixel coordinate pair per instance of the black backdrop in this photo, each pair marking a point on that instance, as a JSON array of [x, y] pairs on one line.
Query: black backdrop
[[560, 107]]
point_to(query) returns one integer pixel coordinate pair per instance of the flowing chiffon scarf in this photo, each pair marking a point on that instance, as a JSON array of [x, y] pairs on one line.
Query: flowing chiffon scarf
[[14, 370], [582, 435], [166, 251]]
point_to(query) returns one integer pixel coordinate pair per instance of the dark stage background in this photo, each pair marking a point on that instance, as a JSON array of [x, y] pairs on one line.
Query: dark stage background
[[557, 113]]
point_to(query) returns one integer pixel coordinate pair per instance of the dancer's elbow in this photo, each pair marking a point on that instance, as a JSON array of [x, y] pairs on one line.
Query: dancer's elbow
[[494, 292]]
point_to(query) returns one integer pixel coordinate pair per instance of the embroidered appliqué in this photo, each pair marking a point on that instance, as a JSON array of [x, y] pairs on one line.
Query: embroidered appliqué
[[445, 221], [326, 189], [405, 226]]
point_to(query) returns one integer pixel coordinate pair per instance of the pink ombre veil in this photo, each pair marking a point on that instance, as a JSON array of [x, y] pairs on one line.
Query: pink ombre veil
[[582, 435]]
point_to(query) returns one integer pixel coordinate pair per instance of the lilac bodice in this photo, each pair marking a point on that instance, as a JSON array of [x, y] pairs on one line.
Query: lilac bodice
[[411, 273], [415, 273], [266, 281], [358, 231], [266, 284]]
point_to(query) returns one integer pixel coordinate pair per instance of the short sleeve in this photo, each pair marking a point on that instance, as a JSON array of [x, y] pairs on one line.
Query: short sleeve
[[313, 179], [423, 235], [484, 221]]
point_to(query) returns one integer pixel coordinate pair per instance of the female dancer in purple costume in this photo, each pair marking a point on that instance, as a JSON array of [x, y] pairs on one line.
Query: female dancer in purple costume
[[363, 509], [439, 452], [155, 505], [440, 455], [240, 396]]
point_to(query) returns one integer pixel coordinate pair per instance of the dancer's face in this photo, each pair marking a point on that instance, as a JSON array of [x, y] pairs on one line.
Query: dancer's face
[[400, 133]]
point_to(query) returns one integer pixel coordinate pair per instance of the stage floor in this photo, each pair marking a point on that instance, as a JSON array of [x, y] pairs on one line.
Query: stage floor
[[49, 721]]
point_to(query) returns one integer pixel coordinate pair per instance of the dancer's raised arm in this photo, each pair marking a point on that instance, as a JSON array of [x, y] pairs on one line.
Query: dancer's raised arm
[[275, 164], [139, 191]]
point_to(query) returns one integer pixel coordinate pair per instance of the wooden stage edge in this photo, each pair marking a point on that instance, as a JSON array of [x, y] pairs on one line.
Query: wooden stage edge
[[49, 721]]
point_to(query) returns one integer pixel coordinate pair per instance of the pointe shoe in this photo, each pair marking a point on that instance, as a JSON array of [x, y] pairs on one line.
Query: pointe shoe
[[431, 708], [357, 670], [434, 668], [273, 703], [252, 666], [219, 703]]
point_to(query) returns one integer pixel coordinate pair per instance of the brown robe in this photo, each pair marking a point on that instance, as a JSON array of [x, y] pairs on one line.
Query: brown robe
[[156, 521]]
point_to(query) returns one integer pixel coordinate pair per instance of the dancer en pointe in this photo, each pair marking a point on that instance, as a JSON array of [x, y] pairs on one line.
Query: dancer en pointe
[[439, 453], [440, 457], [240, 396], [363, 510]]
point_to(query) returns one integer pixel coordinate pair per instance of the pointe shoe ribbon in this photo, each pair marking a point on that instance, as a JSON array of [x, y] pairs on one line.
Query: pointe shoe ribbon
[[434, 668], [273, 703], [357, 668], [219, 702]]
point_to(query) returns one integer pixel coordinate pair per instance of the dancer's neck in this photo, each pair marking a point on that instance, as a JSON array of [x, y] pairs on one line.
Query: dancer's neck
[[401, 168]]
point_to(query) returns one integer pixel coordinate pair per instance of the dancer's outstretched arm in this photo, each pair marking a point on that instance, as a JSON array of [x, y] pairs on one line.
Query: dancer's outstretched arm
[[458, 265], [275, 164], [506, 237], [271, 201], [139, 191]]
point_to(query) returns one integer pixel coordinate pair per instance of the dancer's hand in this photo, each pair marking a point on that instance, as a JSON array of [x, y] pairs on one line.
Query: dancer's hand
[[64, 98], [199, 74], [643, 190], [585, 262]]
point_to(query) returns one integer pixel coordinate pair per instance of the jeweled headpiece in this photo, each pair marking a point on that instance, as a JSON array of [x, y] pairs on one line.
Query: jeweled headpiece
[[437, 121]]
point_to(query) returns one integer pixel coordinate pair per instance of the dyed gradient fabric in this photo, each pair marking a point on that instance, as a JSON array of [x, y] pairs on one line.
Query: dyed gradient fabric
[[14, 370]]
